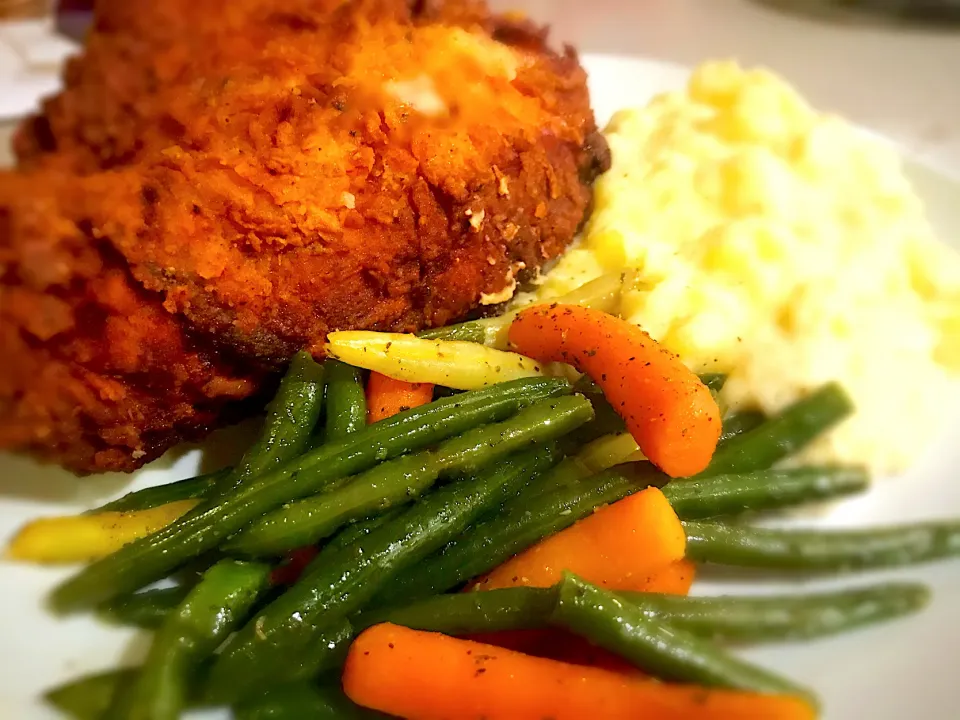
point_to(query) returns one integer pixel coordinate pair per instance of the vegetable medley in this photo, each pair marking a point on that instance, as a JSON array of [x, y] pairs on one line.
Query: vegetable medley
[[439, 527]]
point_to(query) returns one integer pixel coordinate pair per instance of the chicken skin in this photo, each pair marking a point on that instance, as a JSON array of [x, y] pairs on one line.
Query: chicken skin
[[337, 165]]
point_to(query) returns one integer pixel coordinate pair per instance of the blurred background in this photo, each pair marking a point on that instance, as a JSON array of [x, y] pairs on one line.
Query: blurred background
[[878, 62], [889, 65]]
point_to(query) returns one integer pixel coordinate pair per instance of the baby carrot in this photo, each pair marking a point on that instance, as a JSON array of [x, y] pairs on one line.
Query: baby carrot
[[668, 410], [428, 676], [675, 579], [621, 547], [387, 397]]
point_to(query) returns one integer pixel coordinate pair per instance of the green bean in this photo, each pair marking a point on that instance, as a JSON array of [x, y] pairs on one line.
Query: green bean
[[338, 583], [346, 400], [303, 701], [724, 618], [737, 423], [203, 528], [189, 635], [586, 385], [714, 381], [657, 647], [89, 697], [122, 703], [396, 482], [288, 425], [357, 531], [516, 527], [319, 436], [783, 435], [728, 618], [519, 608], [568, 472], [766, 618], [188, 489], [725, 495], [823, 550], [602, 293], [281, 438], [471, 331], [607, 422], [145, 609]]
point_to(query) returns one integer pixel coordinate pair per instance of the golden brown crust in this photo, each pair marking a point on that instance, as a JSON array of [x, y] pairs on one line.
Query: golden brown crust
[[374, 164], [96, 374]]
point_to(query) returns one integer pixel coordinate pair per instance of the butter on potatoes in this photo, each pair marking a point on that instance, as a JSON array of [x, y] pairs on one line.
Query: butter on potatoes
[[784, 247]]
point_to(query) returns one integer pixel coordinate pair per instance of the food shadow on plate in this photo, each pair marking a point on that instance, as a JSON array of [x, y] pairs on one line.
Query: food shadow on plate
[[24, 478]]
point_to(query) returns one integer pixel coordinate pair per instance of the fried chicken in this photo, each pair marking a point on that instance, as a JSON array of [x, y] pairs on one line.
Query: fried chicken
[[95, 374], [246, 187]]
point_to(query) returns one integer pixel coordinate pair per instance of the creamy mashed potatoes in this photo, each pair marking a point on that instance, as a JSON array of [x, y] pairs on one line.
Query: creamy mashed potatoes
[[785, 248]]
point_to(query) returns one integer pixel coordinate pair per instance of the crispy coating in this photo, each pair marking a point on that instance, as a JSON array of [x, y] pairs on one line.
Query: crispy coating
[[96, 374], [243, 187], [137, 50], [112, 91]]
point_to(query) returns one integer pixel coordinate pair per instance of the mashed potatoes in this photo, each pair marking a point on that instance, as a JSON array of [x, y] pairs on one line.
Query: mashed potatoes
[[785, 248]]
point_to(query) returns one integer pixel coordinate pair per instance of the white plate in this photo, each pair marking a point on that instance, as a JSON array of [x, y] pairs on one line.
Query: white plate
[[895, 671]]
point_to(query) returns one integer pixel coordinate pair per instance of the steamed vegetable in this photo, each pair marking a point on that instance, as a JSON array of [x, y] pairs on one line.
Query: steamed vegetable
[[516, 527], [742, 421], [602, 293], [292, 567], [670, 413], [398, 481], [620, 546], [346, 401], [567, 473], [89, 697], [288, 425], [726, 495], [736, 618], [826, 550], [145, 609], [454, 364], [151, 558], [609, 450], [705, 497], [271, 647], [357, 531], [417, 674], [714, 381], [386, 397], [766, 618], [783, 435], [81, 538], [666, 651], [303, 701], [675, 579], [194, 488], [188, 636]]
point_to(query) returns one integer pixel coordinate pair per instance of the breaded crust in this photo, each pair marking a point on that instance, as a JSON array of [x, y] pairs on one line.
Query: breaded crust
[[95, 374], [365, 165]]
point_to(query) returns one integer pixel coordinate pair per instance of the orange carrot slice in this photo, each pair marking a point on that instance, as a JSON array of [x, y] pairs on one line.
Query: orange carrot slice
[[670, 413], [621, 547], [675, 579], [427, 676], [387, 397]]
